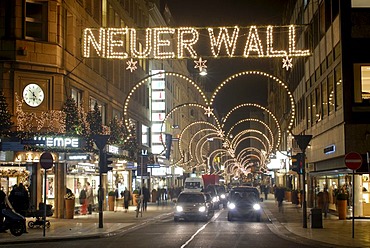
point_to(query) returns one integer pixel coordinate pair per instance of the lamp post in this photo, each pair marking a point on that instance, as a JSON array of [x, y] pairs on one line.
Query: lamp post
[[302, 141], [100, 142]]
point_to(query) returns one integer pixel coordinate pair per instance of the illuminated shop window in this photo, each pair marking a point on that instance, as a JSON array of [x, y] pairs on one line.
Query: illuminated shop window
[[365, 83]]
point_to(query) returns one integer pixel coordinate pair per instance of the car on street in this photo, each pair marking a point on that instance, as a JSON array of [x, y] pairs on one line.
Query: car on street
[[212, 190], [223, 195], [193, 205], [243, 202]]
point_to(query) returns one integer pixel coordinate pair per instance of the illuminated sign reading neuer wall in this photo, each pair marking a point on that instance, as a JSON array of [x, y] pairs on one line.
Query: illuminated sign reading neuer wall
[[183, 42]]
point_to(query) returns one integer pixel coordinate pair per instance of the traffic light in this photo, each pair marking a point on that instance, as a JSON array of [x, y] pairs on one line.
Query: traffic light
[[106, 161], [297, 163]]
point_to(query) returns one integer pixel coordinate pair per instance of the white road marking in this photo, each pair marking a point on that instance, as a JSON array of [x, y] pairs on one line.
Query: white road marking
[[200, 229]]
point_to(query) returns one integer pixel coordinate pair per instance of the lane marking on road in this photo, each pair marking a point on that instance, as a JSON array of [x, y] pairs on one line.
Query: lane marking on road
[[200, 229]]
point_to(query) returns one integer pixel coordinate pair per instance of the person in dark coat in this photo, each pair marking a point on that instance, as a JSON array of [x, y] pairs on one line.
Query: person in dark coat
[[19, 199], [126, 198], [146, 196], [280, 195], [4, 203]]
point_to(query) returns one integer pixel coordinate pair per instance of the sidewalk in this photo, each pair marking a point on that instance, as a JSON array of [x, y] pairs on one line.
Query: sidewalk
[[289, 224], [87, 226], [335, 232]]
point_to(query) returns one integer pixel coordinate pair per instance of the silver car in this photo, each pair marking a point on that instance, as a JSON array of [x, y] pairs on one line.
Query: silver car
[[193, 205]]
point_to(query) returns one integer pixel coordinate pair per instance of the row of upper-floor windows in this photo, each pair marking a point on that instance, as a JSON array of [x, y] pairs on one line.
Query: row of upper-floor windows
[[323, 100], [321, 21], [77, 95]]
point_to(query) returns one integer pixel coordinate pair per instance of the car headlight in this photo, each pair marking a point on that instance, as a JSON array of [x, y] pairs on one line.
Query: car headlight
[[223, 196], [231, 205], [202, 209], [214, 199], [256, 206], [179, 209]]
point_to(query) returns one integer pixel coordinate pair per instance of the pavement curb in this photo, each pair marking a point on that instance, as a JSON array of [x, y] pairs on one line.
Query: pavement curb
[[280, 230]]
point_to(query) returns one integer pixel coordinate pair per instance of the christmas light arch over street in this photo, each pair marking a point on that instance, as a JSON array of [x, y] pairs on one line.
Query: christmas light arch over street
[[264, 74]]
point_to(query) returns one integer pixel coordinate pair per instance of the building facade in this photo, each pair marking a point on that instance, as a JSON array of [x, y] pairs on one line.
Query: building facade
[[41, 52], [331, 93]]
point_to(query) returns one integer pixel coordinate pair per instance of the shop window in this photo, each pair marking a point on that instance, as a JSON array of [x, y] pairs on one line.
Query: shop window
[[145, 134], [318, 115], [324, 88], [331, 95], [77, 96], [36, 20], [365, 83], [338, 87], [313, 108]]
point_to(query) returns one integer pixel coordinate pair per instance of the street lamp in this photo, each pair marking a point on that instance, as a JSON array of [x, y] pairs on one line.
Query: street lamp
[[203, 72]]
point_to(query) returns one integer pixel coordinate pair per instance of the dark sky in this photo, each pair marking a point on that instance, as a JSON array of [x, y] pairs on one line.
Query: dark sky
[[206, 13]]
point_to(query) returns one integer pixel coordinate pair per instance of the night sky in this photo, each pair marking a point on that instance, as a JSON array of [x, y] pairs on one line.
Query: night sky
[[201, 13]]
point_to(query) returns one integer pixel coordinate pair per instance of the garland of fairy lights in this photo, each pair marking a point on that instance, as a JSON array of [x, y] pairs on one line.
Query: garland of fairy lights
[[251, 137], [189, 126], [236, 137], [264, 109], [192, 140], [220, 150], [277, 80], [202, 141], [208, 112], [253, 120], [144, 81]]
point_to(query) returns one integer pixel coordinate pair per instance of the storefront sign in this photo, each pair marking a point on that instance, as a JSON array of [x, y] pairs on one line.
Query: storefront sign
[[62, 142], [329, 149], [131, 166], [77, 157]]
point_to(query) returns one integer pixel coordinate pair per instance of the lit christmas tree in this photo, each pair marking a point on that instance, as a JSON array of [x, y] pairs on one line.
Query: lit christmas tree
[[5, 116], [95, 121], [118, 131], [132, 145], [73, 123]]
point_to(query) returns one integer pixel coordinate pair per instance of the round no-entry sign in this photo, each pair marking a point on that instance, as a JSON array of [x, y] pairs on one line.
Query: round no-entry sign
[[353, 160], [46, 160]]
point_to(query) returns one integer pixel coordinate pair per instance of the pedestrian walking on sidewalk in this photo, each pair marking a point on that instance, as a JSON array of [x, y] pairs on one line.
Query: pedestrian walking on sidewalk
[[266, 190], [82, 199], [126, 198], [146, 196], [279, 195], [323, 201]]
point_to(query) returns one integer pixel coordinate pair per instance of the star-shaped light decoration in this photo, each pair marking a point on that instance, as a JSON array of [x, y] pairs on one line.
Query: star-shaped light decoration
[[201, 64], [287, 63], [225, 144], [208, 111], [231, 152], [220, 133], [131, 65]]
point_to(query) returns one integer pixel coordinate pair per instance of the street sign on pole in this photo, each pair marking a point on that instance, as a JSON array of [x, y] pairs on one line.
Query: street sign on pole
[[46, 160], [353, 160]]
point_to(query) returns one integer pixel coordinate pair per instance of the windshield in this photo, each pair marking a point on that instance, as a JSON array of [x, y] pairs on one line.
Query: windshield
[[193, 198], [192, 185], [243, 195]]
